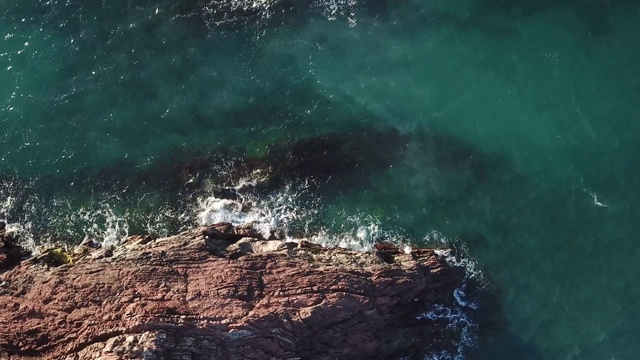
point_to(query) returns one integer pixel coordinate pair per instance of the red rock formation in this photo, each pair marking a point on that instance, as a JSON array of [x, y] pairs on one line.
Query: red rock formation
[[211, 293]]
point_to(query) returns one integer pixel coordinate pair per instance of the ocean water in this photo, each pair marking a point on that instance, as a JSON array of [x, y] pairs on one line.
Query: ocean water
[[506, 129]]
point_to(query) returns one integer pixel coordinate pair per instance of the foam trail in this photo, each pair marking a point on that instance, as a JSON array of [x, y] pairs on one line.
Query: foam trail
[[594, 197]]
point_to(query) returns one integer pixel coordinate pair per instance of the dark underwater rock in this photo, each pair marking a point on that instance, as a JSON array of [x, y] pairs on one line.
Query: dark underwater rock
[[327, 165], [172, 298], [347, 159], [351, 156]]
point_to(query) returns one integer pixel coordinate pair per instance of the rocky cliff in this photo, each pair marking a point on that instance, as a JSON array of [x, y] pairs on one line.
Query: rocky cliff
[[225, 292]]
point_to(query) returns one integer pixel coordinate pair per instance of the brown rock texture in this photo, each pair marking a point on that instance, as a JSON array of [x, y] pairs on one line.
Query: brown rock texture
[[223, 292]]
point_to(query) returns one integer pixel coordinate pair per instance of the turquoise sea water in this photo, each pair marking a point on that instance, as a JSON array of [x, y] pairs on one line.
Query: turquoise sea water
[[521, 118]]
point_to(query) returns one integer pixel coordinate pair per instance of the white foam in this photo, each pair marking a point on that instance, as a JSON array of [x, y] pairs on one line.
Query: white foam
[[407, 249], [23, 231], [220, 12], [347, 240], [472, 268], [57, 220], [22, 228], [215, 210], [99, 222], [7, 204], [334, 9], [7, 197], [456, 318], [279, 211], [456, 315], [594, 197]]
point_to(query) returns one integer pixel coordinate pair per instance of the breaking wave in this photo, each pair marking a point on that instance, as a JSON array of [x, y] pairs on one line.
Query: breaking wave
[[41, 222], [279, 212], [10, 196], [293, 211]]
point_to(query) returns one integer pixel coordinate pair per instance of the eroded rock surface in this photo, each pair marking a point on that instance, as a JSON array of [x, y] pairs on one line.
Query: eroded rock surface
[[224, 292]]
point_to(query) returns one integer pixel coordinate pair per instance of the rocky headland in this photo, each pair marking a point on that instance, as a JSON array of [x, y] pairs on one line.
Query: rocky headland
[[224, 292]]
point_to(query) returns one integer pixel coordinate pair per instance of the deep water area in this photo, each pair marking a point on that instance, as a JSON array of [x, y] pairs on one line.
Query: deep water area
[[504, 129]]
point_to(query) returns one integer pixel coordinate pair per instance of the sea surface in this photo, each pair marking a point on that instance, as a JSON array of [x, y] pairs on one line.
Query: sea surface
[[507, 130]]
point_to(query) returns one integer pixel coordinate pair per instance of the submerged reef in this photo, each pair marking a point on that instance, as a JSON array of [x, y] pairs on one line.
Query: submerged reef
[[292, 183], [227, 292]]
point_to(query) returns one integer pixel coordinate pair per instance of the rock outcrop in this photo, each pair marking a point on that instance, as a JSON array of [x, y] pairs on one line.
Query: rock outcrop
[[10, 252], [225, 292]]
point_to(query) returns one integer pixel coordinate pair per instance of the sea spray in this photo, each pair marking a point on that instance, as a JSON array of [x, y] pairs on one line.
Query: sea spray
[[11, 200], [42, 221], [282, 211], [109, 220], [360, 232], [339, 8], [107, 225], [293, 210]]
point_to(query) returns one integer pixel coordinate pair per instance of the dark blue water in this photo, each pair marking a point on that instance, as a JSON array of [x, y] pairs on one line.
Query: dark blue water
[[505, 128]]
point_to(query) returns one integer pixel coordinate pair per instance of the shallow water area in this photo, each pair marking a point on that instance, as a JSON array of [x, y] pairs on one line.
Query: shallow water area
[[516, 125]]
